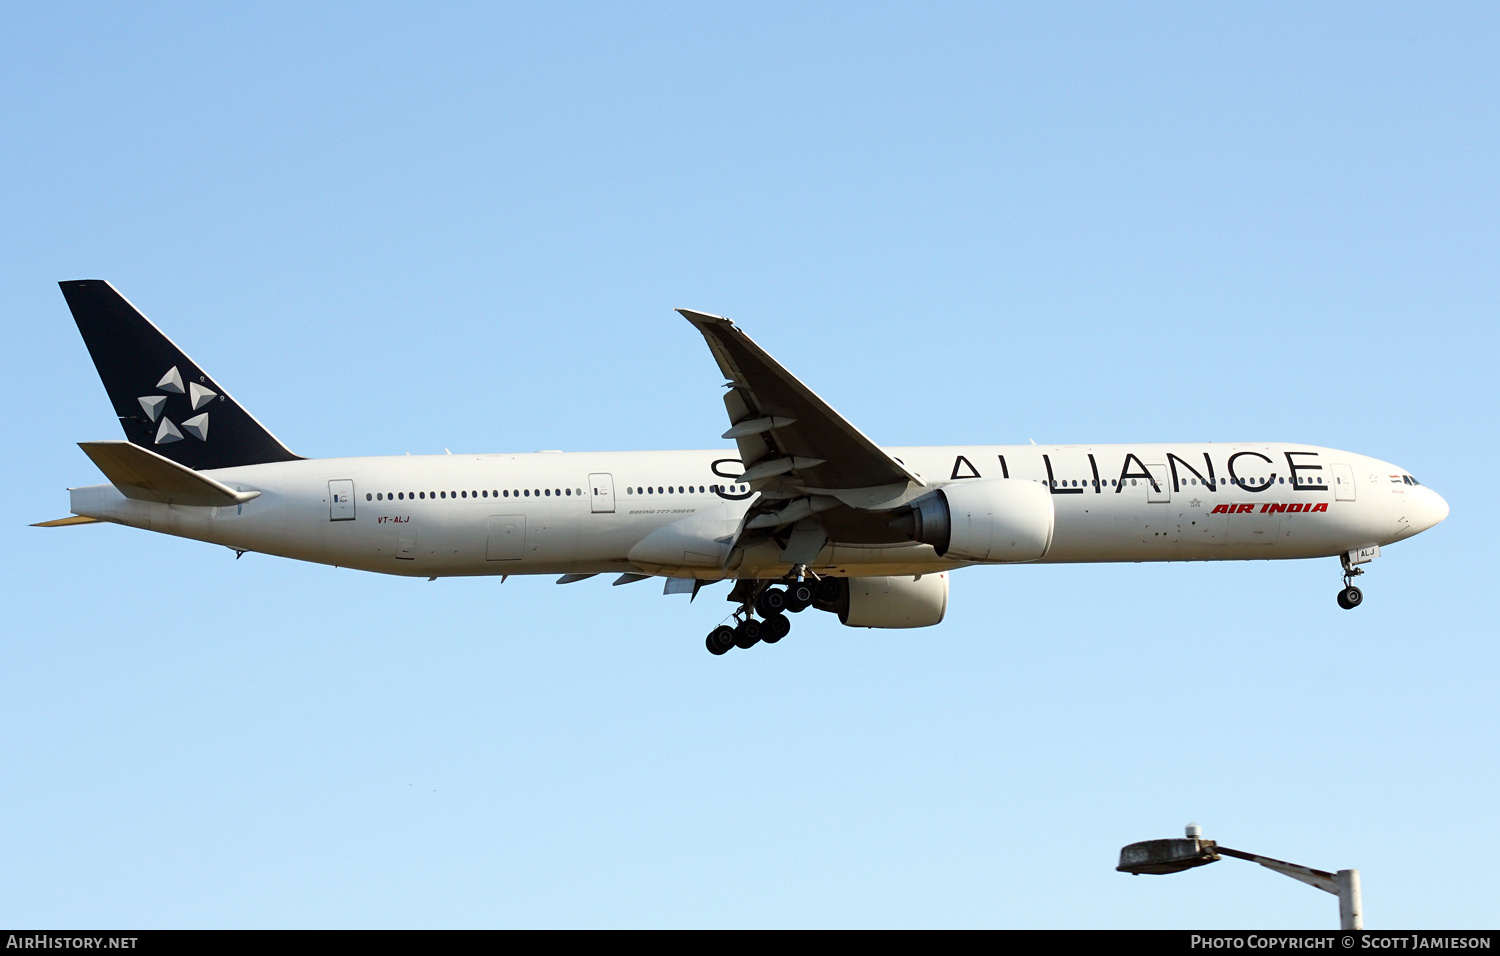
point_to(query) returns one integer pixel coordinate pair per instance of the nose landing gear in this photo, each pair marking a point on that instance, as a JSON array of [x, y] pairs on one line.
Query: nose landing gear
[[1350, 597]]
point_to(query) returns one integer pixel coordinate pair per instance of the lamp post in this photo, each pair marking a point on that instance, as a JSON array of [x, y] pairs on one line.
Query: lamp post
[[1174, 856]]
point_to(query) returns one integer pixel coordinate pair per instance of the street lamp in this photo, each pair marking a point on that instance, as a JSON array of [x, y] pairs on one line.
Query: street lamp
[[1174, 856]]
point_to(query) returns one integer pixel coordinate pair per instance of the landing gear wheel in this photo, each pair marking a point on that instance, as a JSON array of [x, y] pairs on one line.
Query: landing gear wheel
[[772, 601], [775, 628], [1350, 598], [799, 597], [748, 634], [720, 640]]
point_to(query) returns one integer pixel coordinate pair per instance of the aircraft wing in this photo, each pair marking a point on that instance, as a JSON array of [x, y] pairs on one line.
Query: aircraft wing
[[786, 433]]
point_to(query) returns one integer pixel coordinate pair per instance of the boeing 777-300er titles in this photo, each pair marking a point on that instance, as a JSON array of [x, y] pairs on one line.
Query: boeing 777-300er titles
[[805, 512]]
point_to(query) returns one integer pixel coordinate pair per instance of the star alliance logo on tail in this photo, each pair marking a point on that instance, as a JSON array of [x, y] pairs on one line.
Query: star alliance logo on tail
[[197, 395]]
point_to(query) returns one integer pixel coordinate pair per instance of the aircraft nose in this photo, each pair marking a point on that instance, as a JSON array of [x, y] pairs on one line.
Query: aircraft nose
[[1431, 508]]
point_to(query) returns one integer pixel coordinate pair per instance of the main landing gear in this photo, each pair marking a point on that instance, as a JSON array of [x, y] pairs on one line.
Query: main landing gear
[[1350, 597], [772, 604]]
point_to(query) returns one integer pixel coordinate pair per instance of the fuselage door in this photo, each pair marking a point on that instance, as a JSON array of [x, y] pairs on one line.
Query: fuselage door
[[1343, 482], [602, 494], [341, 500], [1158, 489]]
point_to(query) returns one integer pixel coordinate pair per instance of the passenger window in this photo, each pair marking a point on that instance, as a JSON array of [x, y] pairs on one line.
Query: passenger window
[[369, 497]]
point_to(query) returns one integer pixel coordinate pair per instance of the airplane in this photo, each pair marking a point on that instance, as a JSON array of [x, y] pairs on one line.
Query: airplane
[[804, 512]]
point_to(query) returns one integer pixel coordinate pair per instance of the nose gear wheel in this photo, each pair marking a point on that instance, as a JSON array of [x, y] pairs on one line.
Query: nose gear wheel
[[1350, 597]]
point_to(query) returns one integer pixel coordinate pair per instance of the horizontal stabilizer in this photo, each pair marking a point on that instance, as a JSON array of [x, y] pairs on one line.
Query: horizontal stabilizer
[[144, 475], [65, 522]]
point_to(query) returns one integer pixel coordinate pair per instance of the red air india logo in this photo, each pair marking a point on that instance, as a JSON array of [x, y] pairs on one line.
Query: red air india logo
[[1268, 508]]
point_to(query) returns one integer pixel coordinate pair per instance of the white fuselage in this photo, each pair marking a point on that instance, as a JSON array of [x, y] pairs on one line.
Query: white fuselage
[[555, 513]]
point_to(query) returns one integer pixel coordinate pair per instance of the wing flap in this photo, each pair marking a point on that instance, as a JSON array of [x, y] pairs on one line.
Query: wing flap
[[143, 475]]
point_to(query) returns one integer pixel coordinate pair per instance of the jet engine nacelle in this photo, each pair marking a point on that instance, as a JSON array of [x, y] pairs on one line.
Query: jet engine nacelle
[[895, 601], [998, 519]]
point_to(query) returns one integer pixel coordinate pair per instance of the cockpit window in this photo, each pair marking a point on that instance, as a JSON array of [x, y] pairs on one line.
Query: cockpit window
[[1410, 480]]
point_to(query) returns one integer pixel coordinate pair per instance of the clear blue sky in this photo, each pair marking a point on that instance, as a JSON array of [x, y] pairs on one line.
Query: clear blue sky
[[396, 228]]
